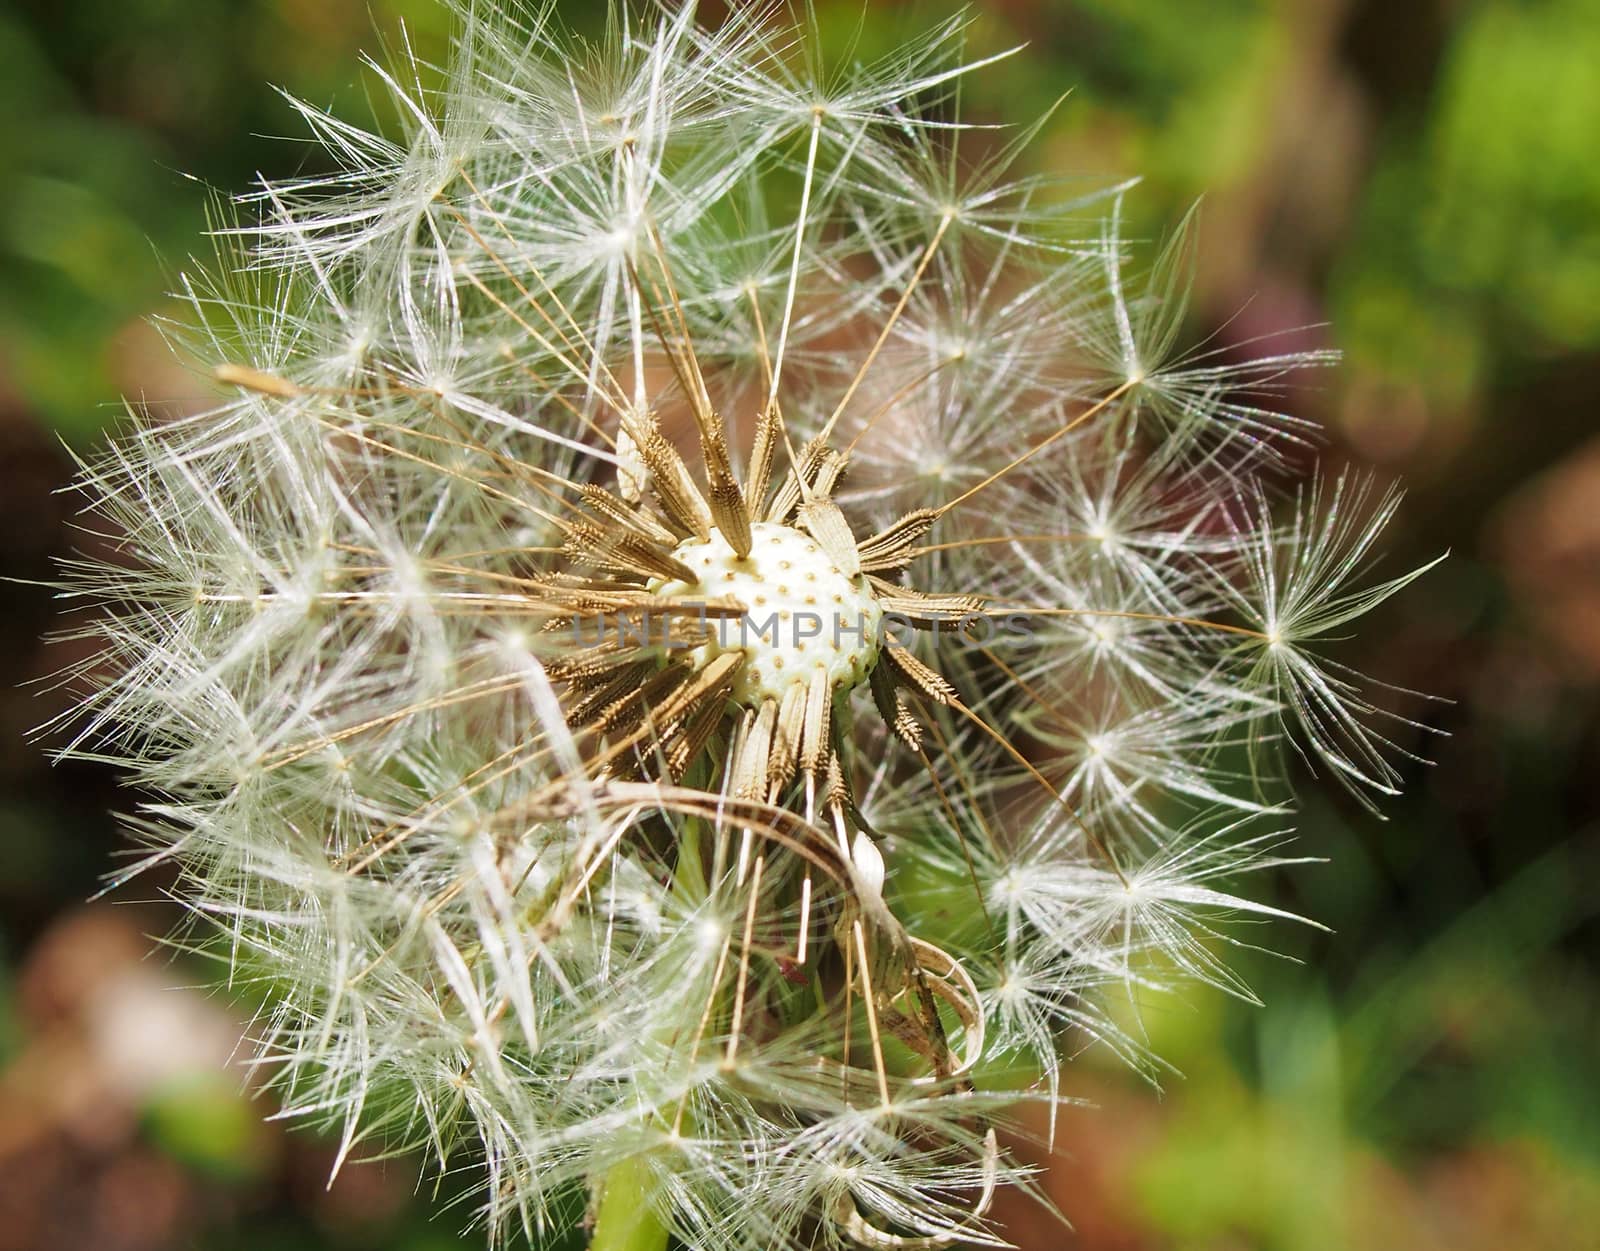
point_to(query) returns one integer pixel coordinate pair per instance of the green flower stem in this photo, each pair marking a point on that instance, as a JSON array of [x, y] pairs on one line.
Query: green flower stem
[[625, 1219]]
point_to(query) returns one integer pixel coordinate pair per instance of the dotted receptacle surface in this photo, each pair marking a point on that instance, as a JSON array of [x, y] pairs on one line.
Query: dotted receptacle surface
[[802, 613]]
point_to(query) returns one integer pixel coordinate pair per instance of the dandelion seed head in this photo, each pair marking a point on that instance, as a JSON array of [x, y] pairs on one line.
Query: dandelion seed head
[[687, 319]]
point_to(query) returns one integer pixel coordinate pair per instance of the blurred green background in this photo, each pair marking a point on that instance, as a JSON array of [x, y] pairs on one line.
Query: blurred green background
[[1416, 180]]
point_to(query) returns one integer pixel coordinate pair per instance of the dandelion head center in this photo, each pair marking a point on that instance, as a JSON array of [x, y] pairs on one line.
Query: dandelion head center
[[802, 612]]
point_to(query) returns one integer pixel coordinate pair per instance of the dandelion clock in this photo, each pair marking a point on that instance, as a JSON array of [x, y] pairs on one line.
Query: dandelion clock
[[713, 633]]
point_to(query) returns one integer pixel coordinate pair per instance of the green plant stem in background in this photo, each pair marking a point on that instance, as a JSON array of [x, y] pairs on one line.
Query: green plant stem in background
[[625, 1220]]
